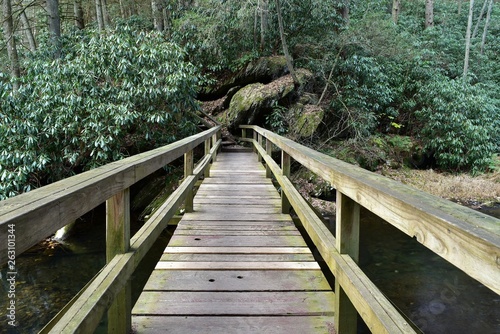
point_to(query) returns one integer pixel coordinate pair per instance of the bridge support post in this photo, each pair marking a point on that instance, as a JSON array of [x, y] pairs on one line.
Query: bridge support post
[[347, 239], [243, 133], [255, 138], [214, 141], [118, 242], [207, 151], [259, 141], [188, 170], [269, 151], [285, 170]]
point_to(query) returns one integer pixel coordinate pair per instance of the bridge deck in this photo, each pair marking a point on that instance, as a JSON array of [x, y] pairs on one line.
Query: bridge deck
[[236, 264]]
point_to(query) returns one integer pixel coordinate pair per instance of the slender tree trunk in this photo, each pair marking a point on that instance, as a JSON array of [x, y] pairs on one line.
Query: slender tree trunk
[[105, 13], [122, 9], [8, 30], [345, 11], [77, 7], [157, 10], [255, 25], [459, 11], [28, 31], [479, 18], [167, 20], [467, 38], [99, 15], [54, 26], [285, 47], [396, 9], [429, 13], [486, 24], [264, 11]]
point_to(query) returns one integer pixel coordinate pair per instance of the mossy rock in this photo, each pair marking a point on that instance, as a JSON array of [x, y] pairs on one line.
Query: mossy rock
[[251, 102], [309, 118]]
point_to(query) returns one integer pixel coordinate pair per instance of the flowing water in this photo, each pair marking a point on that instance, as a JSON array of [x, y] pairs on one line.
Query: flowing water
[[436, 296]]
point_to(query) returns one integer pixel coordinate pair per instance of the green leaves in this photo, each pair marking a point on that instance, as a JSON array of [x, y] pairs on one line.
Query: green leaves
[[108, 96]]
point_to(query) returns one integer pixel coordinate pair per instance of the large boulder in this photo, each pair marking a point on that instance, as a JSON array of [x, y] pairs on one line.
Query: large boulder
[[307, 120], [253, 101], [261, 70]]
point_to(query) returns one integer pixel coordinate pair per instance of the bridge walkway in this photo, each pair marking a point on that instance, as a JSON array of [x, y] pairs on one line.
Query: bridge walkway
[[236, 264]]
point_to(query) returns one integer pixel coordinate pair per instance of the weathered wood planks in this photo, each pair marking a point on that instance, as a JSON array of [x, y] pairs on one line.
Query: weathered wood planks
[[236, 255]]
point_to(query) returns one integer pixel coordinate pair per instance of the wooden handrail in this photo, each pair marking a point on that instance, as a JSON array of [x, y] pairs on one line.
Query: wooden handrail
[[466, 238], [41, 212]]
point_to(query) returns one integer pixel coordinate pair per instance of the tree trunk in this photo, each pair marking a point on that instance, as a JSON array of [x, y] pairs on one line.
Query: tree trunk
[[486, 24], [285, 47], [54, 26], [264, 11], [8, 30], [479, 19], [345, 11], [27, 28], [429, 13], [459, 11], [105, 14], [157, 11], [255, 25], [77, 7], [167, 20], [396, 8], [99, 15], [467, 38]]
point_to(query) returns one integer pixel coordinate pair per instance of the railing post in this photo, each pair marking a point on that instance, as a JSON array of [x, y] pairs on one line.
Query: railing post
[[188, 171], [207, 152], [254, 138], [214, 142], [347, 239], [259, 141], [243, 133], [285, 170], [269, 151], [118, 242]]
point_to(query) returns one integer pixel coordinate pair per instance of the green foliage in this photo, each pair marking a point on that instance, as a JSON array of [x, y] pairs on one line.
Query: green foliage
[[108, 96], [276, 120], [460, 124]]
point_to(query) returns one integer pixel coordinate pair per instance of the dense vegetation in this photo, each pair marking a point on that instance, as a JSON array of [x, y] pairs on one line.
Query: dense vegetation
[[126, 83]]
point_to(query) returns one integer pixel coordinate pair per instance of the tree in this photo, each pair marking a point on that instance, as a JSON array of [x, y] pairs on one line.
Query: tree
[[99, 15], [396, 9], [77, 7], [480, 17], [27, 29], [157, 10], [429, 13], [54, 20], [486, 24], [467, 38], [285, 47], [264, 11], [8, 27]]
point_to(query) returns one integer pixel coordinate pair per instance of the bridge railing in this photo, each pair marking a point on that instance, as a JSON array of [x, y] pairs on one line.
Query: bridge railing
[[40, 213], [466, 238]]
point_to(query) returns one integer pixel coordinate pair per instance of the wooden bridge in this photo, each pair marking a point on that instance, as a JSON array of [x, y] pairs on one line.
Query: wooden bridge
[[237, 262]]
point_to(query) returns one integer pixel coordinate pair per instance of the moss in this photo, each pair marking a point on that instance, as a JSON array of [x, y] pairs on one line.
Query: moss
[[308, 121]]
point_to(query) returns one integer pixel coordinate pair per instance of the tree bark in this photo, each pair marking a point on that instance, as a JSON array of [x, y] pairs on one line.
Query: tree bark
[[8, 30], [396, 8], [429, 13], [345, 11], [264, 10], [99, 15], [77, 7], [28, 31], [479, 19], [105, 13], [285, 47], [157, 10], [54, 26], [486, 24], [467, 38]]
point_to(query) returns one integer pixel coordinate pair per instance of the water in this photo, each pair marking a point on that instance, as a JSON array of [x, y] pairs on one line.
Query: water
[[436, 296]]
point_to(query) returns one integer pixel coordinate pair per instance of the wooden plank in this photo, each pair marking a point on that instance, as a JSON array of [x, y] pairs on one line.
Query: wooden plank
[[235, 241], [235, 232], [256, 223], [237, 257], [231, 217], [240, 325], [239, 180], [236, 200], [237, 250], [261, 226], [235, 303], [173, 265], [236, 209]]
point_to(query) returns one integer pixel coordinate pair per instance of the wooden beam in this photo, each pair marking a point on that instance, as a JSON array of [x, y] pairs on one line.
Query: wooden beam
[[269, 151], [188, 171], [285, 171]]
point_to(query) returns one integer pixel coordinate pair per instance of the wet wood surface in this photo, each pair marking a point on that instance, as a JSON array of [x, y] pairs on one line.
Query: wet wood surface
[[236, 264]]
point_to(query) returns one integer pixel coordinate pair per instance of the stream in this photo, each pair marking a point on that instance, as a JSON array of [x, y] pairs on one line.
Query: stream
[[436, 296]]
